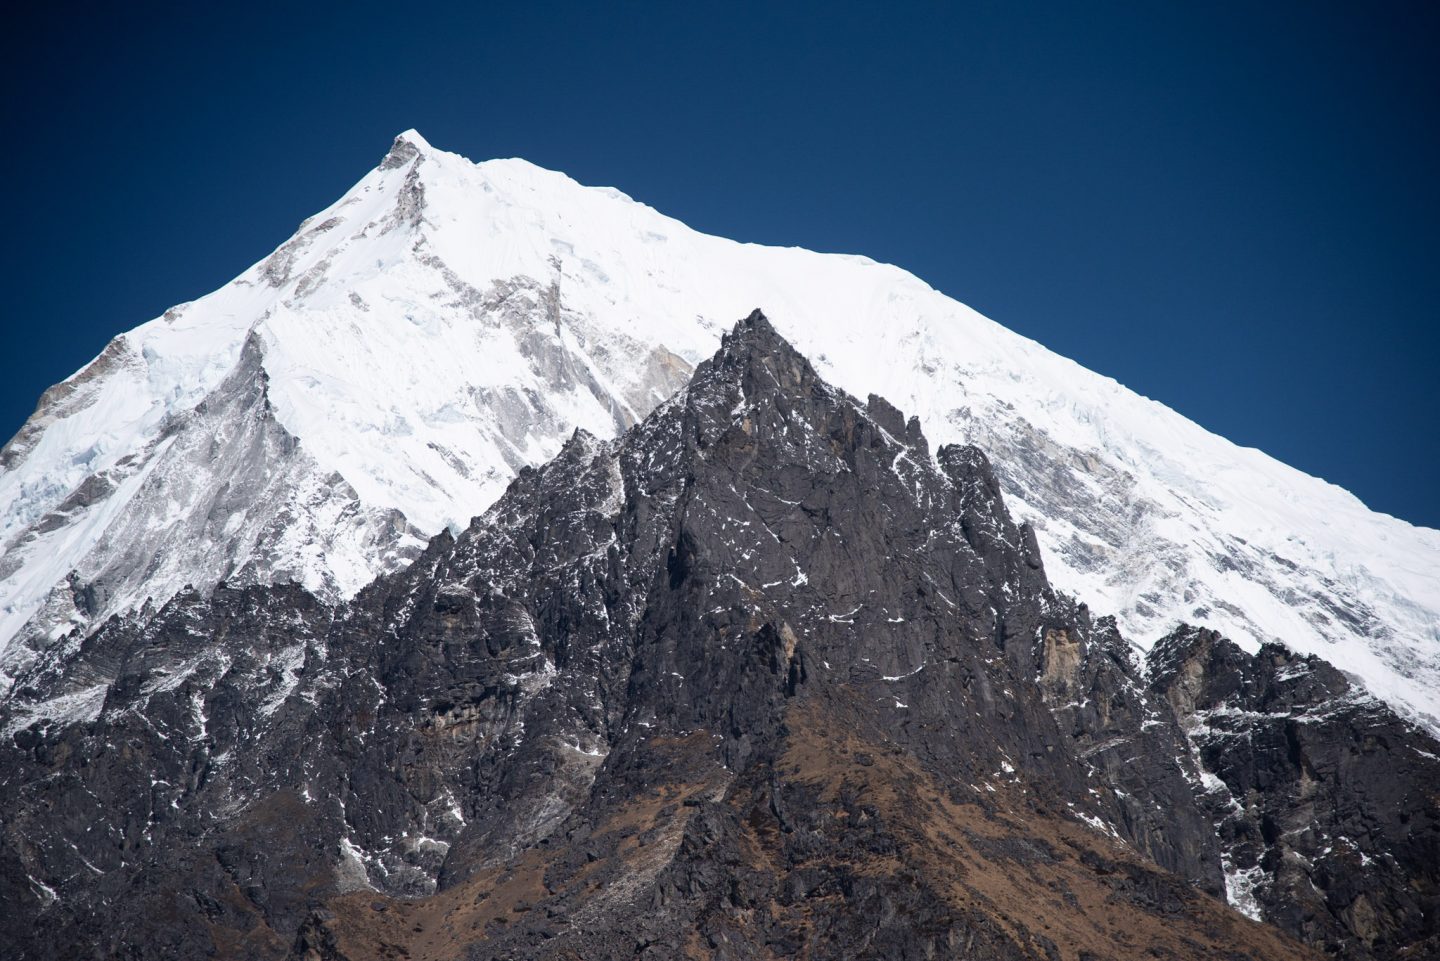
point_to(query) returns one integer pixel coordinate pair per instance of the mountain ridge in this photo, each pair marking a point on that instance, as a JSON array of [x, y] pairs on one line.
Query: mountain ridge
[[499, 306], [764, 676]]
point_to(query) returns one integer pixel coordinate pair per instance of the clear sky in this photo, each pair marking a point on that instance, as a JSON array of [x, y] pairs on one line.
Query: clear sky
[[1232, 208]]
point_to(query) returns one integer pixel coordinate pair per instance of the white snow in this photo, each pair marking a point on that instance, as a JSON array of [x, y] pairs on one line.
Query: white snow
[[286, 665], [46, 892], [81, 705], [353, 871], [901, 677], [1240, 889], [413, 344]]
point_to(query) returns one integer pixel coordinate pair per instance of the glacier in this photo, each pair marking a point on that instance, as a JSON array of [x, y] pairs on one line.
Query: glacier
[[385, 372]]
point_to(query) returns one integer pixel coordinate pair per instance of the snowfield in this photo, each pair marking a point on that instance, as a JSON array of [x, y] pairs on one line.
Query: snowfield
[[385, 372]]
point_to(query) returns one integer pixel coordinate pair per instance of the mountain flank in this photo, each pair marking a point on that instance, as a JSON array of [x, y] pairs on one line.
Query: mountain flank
[[388, 370], [764, 677]]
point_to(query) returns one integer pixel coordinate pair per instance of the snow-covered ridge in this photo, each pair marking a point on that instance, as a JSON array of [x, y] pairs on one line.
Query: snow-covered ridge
[[387, 370]]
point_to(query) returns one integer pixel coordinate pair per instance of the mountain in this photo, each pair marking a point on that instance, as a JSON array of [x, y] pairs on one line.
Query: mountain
[[386, 372], [764, 677]]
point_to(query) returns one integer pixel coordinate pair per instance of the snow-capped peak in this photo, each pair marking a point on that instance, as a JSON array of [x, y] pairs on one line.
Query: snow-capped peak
[[384, 372], [414, 138]]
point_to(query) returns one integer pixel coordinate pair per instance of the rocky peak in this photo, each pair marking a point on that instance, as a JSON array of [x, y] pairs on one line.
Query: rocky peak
[[761, 677], [761, 360], [406, 147]]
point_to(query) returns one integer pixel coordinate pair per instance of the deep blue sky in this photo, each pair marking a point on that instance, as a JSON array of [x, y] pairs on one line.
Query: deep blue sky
[[1234, 209]]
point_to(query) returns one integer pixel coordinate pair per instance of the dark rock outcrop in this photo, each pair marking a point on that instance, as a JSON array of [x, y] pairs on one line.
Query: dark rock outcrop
[[1132, 739], [763, 678], [1327, 804]]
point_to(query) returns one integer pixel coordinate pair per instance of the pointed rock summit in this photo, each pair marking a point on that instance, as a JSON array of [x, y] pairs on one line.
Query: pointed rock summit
[[759, 677]]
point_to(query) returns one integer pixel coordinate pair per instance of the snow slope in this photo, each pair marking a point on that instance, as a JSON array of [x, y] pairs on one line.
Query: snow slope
[[387, 370]]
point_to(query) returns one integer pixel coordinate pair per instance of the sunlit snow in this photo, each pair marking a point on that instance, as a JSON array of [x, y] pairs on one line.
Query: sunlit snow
[[445, 323]]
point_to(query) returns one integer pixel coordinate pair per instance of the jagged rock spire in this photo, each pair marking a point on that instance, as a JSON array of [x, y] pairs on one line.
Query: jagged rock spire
[[757, 669]]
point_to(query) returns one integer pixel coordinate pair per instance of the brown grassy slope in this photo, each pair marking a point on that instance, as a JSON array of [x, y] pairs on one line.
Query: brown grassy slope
[[842, 846]]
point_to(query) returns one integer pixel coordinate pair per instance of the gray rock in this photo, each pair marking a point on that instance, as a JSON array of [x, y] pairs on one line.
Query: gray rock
[[760, 678]]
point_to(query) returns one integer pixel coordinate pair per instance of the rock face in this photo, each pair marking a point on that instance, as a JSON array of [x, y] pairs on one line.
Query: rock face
[[1327, 804], [765, 677]]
